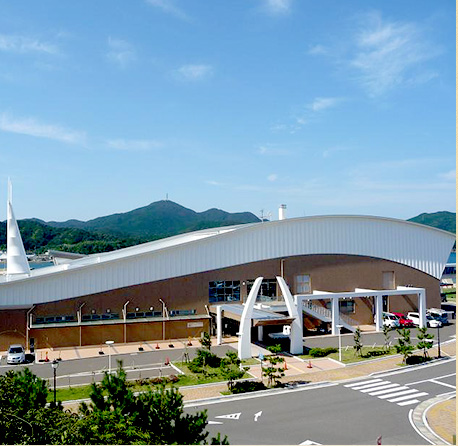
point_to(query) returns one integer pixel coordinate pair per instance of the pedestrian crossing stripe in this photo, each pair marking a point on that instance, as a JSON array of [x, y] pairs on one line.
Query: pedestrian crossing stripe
[[386, 390]]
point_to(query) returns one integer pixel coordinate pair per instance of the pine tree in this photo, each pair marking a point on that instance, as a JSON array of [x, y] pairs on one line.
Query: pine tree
[[423, 337], [404, 345], [357, 340]]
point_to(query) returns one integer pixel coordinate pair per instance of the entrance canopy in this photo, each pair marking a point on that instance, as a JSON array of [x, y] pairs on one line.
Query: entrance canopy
[[259, 317]]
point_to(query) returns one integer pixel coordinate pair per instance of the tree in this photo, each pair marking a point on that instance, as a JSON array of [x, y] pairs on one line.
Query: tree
[[117, 416], [273, 372], [230, 368], [423, 337], [386, 336], [404, 345], [206, 341], [357, 340], [24, 415]]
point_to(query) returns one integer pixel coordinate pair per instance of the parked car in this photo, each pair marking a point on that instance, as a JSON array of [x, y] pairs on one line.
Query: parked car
[[403, 321], [438, 314], [430, 321], [390, 320], [16, 354]]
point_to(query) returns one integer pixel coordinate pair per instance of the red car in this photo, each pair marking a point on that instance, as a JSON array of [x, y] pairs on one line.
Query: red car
[[403, 321]]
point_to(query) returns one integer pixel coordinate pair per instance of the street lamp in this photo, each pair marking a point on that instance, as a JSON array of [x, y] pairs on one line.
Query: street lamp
[[54, 366], [438, 342], [109, 343], [340, 343], [163, 318]]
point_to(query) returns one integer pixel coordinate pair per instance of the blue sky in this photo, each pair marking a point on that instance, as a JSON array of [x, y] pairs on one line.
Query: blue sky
[[331, 107]]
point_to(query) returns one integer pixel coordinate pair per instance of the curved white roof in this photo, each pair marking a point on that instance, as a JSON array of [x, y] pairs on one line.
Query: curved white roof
[[421, 247]]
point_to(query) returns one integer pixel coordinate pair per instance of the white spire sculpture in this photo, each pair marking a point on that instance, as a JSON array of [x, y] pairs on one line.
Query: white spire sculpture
[[16, 258]]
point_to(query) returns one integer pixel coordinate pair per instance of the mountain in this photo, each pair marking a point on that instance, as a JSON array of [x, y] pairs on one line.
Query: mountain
[[158, 220], [441, 220]]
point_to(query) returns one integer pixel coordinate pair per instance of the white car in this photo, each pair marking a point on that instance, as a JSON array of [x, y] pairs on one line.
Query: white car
[[430, 321], [16, 354], [390, 320]]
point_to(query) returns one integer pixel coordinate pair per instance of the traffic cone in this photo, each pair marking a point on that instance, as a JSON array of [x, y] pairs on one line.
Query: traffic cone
[[157, 346], [46, 359], [310, 364]]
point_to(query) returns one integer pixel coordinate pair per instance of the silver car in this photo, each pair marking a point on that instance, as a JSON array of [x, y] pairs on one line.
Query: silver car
[[16, 354]]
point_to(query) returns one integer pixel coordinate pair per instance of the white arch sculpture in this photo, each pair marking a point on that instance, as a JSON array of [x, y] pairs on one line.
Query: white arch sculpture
[[244, 341]]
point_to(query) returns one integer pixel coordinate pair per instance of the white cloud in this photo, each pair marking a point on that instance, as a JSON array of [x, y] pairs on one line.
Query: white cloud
[[134, 144], [168, 7], [215, 183], [30, 127], [448, 176], [317, 50], [194, 72], [389, 53], [272, 151], [320, 104], [277, 7], [272, 177], [120, 52], [22, 44]]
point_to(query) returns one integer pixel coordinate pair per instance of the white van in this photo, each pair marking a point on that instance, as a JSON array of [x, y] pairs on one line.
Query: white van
[[438, 314]]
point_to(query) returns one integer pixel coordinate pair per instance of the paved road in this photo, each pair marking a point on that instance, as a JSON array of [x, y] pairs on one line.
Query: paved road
[[137, 365], [354, 412]]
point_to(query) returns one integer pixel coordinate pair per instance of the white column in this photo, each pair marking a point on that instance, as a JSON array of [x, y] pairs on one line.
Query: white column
[[244, 341], [422, 307], [260, 333], [219, 325], [378, 312], [335, 315], [296, 345]]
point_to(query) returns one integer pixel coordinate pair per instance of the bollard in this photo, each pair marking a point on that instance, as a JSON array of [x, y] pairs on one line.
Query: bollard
[[46, 359], [157, 346], [167, 361], [286, 366], [310, 364]]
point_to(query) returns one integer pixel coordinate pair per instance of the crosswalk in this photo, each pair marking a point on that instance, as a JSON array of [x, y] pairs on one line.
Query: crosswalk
[[388, 391]]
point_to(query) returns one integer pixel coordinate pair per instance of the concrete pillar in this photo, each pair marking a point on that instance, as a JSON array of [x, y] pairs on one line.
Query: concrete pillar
[[422, 307], [244, 341], [378, 312], [219, 325], [260, 333], [296, 335], [335, 315]]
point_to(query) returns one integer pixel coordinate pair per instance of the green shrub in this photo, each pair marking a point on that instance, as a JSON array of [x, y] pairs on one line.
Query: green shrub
[[247, 386], [321, 352], [415, 359], [376, 353]]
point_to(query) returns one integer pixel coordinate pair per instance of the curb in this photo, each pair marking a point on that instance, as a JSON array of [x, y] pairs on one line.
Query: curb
[[418, 420]]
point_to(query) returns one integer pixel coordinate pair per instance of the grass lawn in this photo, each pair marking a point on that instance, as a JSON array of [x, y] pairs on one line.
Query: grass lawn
[[349, 355], [451, 294], [188, 379]]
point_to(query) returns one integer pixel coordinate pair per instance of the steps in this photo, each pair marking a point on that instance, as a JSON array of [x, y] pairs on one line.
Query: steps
[[325, 315]]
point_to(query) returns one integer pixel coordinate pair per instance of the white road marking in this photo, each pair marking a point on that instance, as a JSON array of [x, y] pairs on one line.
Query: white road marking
[[257, 415], [366, 386], [231, 416], [406, 397], [215, 422], [385, 386], [363, 382], [416, 429], [382, 392], [443, 384], [429, 379], [309, 442], [406, 403], [405, 392]]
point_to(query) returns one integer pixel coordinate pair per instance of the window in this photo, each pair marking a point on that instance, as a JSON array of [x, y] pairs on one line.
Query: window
[[303, 284], [224, 291], [182, 312], [268, 288], [345, 306]]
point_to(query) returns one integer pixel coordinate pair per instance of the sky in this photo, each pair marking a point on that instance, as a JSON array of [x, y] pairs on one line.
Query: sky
[[330, 106]]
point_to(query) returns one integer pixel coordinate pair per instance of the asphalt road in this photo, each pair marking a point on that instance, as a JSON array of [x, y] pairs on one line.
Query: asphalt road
[[353, 412], [137, 365]]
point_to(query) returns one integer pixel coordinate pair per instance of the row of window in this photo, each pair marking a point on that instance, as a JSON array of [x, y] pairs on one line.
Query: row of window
[[229, 290]]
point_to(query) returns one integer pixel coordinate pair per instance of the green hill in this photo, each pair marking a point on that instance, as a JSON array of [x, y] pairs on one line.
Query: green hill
[[441, 220]]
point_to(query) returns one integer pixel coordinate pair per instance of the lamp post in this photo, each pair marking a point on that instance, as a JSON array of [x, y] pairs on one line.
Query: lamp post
[[54, 366], [340, 343], [438, 342], [163, 318], [109, 343]]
